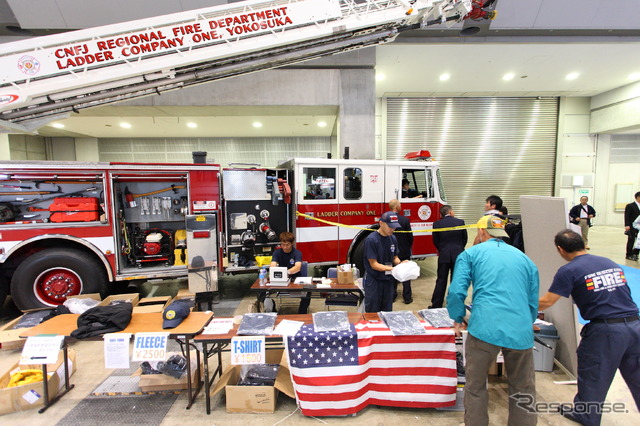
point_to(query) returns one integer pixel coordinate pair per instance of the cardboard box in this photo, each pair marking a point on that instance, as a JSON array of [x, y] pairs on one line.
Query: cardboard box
[[255, 399], [94, 296], [10, 337], [163, 382], [345, 277], [133, 297], [152, 304], [31, 395]]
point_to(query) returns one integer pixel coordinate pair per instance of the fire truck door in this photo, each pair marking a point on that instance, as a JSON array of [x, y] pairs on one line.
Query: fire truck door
[[361, 200], [420, 203], [316, 197]]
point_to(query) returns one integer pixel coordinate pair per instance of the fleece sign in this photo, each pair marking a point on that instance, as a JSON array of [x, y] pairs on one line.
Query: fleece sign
[[150, 347], [247, 350]]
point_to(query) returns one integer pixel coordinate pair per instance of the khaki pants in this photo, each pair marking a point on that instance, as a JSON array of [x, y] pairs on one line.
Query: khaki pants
[[479, 356], [584, 229]]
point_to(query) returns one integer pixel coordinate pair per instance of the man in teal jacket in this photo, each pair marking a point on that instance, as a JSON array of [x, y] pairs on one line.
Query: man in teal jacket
[[504, 307]]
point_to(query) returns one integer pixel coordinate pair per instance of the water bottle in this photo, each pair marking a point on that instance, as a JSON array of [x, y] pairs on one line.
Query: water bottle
[[262, 276]]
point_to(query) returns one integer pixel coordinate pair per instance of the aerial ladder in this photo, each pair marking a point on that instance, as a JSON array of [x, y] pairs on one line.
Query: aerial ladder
[[46, 78]]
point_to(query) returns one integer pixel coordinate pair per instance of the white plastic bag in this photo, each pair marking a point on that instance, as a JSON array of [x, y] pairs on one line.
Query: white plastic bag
[[78, 306], [406, 271]]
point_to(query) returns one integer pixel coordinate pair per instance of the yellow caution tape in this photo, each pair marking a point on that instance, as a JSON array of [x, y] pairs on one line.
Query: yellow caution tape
[[328, 222]]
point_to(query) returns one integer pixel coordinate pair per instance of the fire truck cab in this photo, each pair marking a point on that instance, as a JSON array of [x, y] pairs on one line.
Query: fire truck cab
[[340, 202]]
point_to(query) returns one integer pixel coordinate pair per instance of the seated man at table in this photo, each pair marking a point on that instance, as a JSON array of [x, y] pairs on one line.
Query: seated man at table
[[291, 258]]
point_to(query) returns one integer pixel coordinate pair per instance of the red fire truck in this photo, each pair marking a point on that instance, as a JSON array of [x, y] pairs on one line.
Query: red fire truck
[[69, 228]]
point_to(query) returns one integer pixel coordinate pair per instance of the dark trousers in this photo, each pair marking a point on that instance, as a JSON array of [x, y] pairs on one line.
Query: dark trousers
[[631, 240], [604, 348], [304, 303], [479, 355], [406, 290], [378, 295], [445, 270]]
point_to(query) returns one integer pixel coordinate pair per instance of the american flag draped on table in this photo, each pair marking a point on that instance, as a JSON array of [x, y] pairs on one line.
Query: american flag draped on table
[[341, 372]]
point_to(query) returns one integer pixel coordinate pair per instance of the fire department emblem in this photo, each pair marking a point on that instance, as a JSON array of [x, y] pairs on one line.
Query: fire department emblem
[[373, 178], [424, 212], [29, 65], [7, 99]]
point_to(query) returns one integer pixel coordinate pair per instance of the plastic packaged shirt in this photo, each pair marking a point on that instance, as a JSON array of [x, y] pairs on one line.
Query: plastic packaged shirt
[[330, 321], [175, 366], [402, 323], [257, 324], [438, 317], [31, 319], [258, 375], [148, 369]]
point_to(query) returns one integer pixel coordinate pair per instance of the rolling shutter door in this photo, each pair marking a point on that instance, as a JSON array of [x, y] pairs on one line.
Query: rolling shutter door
[[485, 146]]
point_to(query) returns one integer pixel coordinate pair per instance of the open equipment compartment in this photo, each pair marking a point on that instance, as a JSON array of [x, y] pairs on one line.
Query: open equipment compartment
[[46, 197], [151, 211]]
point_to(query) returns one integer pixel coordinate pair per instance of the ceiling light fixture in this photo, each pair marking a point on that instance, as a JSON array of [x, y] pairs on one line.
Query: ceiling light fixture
[[192, 125], [380, 76], [634, 76], [572, 76], [444, 77], [508, 76], [58, 125], [322, 124], [125, 125], [257, 124]]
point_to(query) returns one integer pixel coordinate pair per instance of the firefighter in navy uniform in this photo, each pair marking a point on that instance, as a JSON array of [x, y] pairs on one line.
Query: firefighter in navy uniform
[[611, 339], [380, 256]]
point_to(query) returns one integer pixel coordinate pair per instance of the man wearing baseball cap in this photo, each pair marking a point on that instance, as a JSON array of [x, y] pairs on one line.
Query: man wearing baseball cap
[[380, 256], [504, 307]]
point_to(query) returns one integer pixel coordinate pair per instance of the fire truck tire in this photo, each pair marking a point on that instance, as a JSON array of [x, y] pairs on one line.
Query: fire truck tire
[[47, 277], [4, 290], [357, 257]]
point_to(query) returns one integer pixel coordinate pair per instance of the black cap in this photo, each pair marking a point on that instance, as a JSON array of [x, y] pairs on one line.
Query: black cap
[[175, 313]]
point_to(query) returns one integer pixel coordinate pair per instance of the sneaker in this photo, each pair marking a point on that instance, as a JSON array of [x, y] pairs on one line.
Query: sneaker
[[634, 258], [410, 300]]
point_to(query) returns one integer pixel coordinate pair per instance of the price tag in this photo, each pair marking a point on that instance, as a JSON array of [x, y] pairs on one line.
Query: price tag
[[41, 349], [247, 350], [150, 347]]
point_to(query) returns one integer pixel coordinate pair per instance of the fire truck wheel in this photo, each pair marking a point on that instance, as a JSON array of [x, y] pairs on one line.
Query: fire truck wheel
[[47, 277], [4, 290], [357, 257]]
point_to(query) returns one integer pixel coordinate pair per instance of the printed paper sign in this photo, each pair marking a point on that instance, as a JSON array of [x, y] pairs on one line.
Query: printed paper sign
[[150, 347], [247, 350], [219, 326], [41, 350], [116, 350]]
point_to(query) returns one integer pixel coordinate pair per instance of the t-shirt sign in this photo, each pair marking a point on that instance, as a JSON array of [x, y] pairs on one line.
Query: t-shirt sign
[[150, 347], [247, 350]]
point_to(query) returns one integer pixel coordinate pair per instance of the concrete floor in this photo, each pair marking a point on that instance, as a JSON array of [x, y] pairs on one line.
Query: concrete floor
[[605, 241]]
